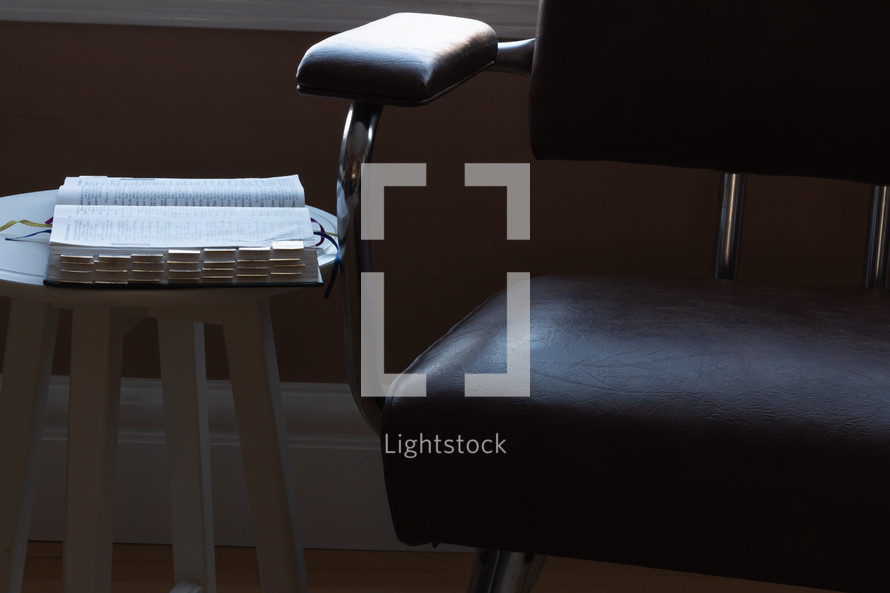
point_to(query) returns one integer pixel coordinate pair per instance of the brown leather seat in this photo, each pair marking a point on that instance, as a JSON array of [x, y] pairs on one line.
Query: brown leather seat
[[713, 427]]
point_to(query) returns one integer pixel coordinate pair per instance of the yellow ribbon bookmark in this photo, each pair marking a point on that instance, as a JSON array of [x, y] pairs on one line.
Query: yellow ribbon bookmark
[[37, 225]]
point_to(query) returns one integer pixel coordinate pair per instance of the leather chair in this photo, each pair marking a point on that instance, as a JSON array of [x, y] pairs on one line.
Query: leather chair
[[709, 426]]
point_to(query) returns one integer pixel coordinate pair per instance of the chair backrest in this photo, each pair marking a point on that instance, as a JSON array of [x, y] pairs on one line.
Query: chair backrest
[[791, 87]]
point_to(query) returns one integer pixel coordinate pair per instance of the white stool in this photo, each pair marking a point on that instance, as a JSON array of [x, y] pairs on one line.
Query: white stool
[[100, 317]]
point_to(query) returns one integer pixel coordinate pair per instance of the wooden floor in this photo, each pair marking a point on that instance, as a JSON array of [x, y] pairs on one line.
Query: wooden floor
[[148, 569]]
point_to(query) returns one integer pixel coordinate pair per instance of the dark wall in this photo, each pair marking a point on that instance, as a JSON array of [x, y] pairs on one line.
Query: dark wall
[[177, 102]]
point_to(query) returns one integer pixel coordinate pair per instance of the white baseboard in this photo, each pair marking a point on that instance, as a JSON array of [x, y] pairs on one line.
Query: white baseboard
[[336, 460]]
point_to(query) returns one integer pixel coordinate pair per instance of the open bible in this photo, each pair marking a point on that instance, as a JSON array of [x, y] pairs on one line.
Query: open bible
[[112, 231]]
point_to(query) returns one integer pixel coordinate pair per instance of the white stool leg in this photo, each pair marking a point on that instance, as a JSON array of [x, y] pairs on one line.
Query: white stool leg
[[188, 450], [29, 354], [93, 407], [267, 464]]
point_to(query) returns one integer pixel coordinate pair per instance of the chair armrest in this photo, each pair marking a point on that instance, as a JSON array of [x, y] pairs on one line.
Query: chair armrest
[[404, 59]]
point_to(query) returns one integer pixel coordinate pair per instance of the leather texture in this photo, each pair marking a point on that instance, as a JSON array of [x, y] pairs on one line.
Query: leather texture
[[403, 59], [790, 87], [713, 427]]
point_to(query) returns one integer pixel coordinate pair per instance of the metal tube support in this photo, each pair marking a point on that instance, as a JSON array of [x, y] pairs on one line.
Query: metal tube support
[[497, 571], [514, 57], [877, 250], [729, 229], [355, 254]]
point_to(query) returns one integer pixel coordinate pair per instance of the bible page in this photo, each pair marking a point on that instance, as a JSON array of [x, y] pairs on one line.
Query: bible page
[[177, 226], [270, 192]]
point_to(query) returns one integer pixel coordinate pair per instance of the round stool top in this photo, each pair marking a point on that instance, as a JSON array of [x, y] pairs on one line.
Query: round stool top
[[23, 266]]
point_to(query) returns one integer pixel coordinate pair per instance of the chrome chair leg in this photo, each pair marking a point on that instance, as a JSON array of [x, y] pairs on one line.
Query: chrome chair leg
[[497, 571]]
